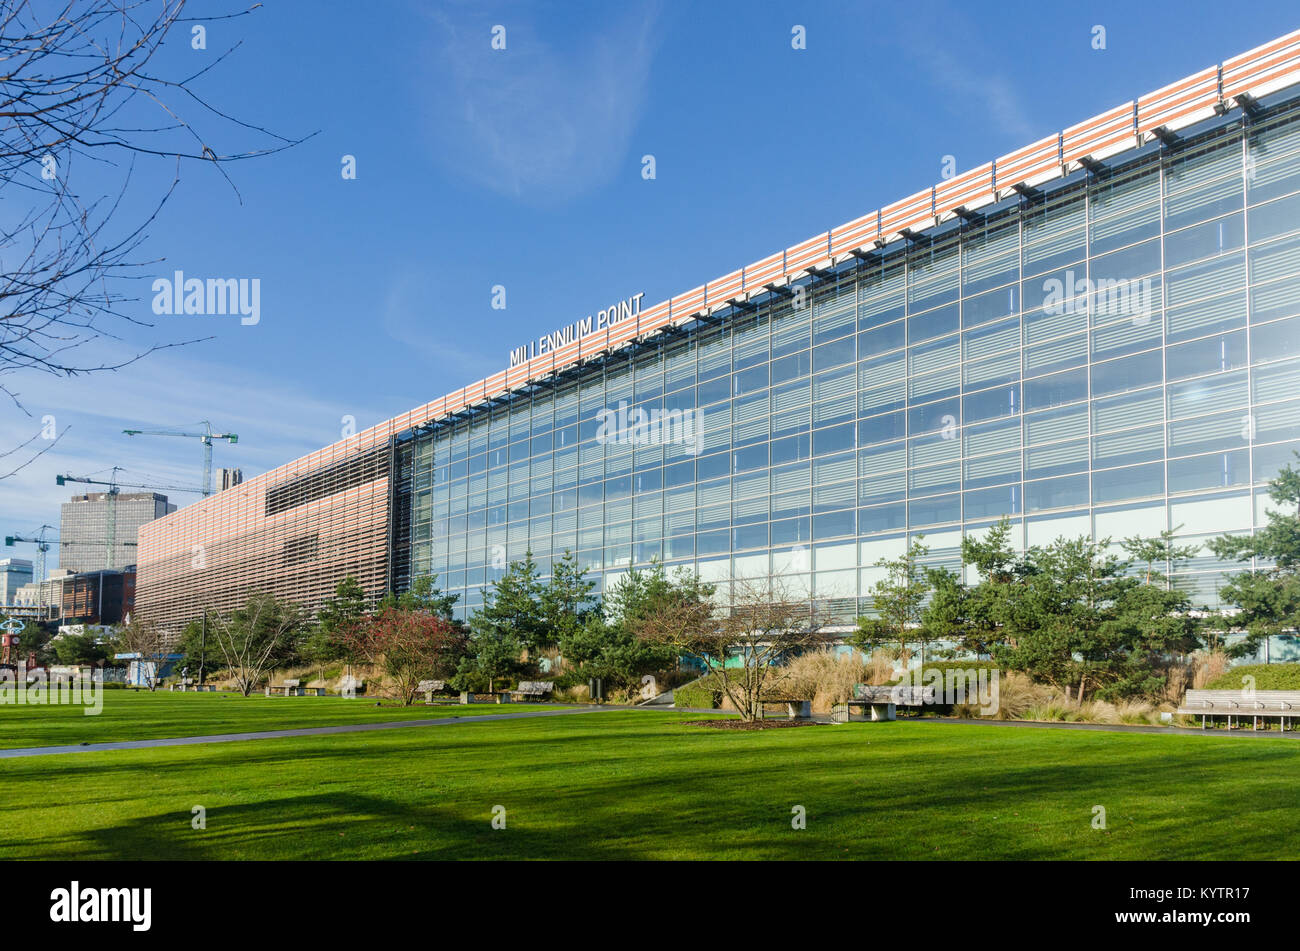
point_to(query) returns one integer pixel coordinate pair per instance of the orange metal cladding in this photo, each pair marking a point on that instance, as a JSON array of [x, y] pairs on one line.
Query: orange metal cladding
[[244, 548], [764, 272], [1193, 98], [686, 306], [1264, 69], [855, 235], [622, 332], [967, 190], [654, 318], [1030, 165], [1111, 132], [226, 546], [725, 289], [914, 213], [805, 254]]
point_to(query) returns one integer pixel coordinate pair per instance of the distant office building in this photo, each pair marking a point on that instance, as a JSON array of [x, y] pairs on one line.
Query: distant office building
[[91, 597], [14, 573], [230, 478], [84, 528], [97, 597]]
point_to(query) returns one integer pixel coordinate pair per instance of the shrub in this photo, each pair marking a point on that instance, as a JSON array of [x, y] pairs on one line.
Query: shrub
[[1267, 677], [698, 693]]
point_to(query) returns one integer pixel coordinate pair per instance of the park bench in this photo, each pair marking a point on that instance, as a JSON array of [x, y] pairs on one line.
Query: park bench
[[881, 702], [1240, 704], [494, 696], [532, 689], [294, 688], [430, 687], [796, 708]]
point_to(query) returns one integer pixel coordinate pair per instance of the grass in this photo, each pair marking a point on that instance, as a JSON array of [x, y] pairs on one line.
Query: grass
[[642, 785], [128, 715]]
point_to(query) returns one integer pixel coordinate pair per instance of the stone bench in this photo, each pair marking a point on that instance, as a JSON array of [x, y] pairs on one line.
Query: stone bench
[[1238, 704]]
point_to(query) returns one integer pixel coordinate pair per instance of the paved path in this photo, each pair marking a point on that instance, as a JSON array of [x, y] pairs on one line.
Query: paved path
[[1105, 727], [279, 734], [593, 708]]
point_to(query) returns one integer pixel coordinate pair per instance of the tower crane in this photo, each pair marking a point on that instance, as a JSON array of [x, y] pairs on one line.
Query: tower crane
[[205, 437], [114, 487], [42, 546]]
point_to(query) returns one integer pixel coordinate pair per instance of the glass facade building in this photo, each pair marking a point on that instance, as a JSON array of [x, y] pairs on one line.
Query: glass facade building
[[1096, 335], [1116, 354]]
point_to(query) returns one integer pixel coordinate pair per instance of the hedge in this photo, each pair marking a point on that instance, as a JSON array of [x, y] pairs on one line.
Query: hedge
[[1267, 677]]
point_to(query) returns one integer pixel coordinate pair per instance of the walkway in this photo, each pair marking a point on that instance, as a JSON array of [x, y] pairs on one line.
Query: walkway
[[281, 734]]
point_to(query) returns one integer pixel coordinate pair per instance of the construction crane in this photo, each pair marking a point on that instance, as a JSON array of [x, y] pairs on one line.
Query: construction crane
[[42, 546], [114, 487], [205, 437]]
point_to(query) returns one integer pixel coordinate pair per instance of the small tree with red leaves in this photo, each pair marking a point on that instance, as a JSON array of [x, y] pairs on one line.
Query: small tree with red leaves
[[409, 646]]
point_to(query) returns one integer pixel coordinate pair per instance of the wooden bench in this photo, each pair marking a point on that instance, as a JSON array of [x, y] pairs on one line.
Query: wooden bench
[[795, 708], [294, 688], [880, 703], [533, 690], [1239, 704]]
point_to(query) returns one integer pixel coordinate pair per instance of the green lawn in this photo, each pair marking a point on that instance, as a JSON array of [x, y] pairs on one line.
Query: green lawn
[[128, 715], [640, 785]]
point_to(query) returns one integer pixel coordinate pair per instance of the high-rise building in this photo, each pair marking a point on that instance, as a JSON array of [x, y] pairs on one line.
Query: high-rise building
[[14, 573], [84, 528], [230, 478], [1097, 334]]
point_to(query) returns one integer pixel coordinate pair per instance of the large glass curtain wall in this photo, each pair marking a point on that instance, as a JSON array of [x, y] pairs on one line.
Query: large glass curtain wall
[[1118, 355]]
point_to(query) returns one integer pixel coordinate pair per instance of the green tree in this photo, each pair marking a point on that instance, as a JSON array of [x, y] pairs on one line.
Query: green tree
[[566, 601], [1080, 620], [509, 622], [606, 644], [328, 639], [897, 599], [1158, 555], [1266, 598], [423, 595], [79, 649], [33, 641]]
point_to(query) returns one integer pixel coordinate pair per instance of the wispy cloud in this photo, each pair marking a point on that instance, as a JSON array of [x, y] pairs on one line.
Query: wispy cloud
[[539, 122], [995, 96], [974, 85], [411, 317]]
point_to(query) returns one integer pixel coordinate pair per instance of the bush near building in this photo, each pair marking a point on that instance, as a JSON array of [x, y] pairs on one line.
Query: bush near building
[[1267, 677]]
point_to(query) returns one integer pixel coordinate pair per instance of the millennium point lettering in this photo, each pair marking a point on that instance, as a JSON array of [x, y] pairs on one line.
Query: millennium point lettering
[[548, 343]]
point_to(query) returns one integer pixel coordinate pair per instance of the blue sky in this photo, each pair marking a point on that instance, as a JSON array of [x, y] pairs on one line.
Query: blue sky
[[522, 168]]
